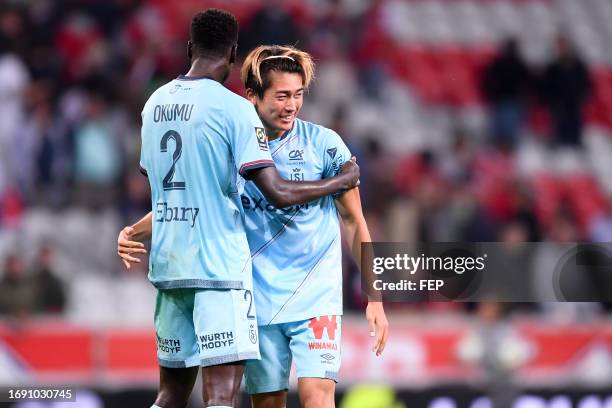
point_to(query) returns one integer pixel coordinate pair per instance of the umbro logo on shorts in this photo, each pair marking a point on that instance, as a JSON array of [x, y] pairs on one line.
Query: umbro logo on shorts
[[327, 356]]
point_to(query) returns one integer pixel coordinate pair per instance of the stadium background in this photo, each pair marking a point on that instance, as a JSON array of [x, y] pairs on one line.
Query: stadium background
[[450, 149]]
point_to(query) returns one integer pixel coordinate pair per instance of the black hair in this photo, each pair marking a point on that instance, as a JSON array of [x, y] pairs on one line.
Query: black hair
[[213, 32]]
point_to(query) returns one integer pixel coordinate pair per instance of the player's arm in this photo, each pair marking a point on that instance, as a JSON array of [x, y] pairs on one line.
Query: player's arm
[[356, 229], [283, 193], [129, 241]]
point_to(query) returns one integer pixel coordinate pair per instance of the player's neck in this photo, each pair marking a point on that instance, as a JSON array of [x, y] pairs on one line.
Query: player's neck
[[274, 134], [207, 68]]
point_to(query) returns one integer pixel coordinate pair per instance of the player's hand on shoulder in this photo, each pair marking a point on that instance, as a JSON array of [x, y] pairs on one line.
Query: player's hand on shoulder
[[350, 170], [377, 325], [126, 247]]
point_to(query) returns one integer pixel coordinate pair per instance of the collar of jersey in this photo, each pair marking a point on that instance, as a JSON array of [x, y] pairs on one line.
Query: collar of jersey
[[192, 78], [283, 137]]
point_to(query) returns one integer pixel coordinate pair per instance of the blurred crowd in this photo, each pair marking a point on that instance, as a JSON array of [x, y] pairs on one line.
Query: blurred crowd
[[74, 76], [37, 291]]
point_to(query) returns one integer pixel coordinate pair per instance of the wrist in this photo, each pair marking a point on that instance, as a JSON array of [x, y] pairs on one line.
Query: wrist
[[343, 183]]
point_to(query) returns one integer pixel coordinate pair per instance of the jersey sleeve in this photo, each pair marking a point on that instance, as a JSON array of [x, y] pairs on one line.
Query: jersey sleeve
[[335, 155], [248, 141]]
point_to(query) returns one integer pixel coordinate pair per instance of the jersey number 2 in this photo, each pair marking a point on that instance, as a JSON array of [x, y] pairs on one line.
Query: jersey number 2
[[168, 183]]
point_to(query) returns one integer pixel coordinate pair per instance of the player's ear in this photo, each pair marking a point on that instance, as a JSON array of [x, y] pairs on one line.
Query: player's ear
[[189, 49], [233, 53], [251, 95]]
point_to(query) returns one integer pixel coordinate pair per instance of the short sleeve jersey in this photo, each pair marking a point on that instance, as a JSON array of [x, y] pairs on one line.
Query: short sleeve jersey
[[297, 254], [197, 138]]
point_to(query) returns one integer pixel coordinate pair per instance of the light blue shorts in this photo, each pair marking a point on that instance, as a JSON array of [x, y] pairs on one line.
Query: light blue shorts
[[314, 344], [205, 327]]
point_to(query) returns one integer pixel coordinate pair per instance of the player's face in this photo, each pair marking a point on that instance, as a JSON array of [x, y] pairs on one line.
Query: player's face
[[281, 102]]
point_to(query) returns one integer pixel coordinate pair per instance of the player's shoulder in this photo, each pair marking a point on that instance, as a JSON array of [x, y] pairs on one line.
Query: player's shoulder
[[158, 94], [319, 134], [236, 103]]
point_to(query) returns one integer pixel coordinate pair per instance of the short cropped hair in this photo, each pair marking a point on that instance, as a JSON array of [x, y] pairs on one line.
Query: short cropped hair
[[280, 58], [214, 31]]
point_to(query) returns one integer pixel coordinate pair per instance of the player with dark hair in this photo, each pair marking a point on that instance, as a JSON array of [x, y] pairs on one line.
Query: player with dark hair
[[197, 137]]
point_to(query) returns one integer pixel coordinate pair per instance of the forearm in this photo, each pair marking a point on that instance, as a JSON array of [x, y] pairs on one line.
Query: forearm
[[298, 192], [143, 229], [283, 193], [356, 234]]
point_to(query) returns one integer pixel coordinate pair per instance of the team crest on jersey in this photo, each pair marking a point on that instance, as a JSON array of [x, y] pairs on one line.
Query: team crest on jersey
[[297, 175], [253, 334], [262, 139]]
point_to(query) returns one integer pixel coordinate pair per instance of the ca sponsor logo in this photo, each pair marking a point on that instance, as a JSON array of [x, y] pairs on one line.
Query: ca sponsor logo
[[296, 155]]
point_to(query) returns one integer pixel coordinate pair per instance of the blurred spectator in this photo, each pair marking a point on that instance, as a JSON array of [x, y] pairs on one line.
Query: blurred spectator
[[49, 289], [44, 61], [339, 125], [136, 198], [524, 212], [513, 260], [97, 153], [13, 30], [81, 44], [566, 86], [377, 174], [456, 162], [497, 349], [14, 78], [270, 24], [17, 295], [420, 179], [336, 83], [45, 149], [506, 84]]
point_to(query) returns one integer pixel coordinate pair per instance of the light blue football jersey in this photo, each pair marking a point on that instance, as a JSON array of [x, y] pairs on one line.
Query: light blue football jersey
[[197, 137], [297, 254]]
